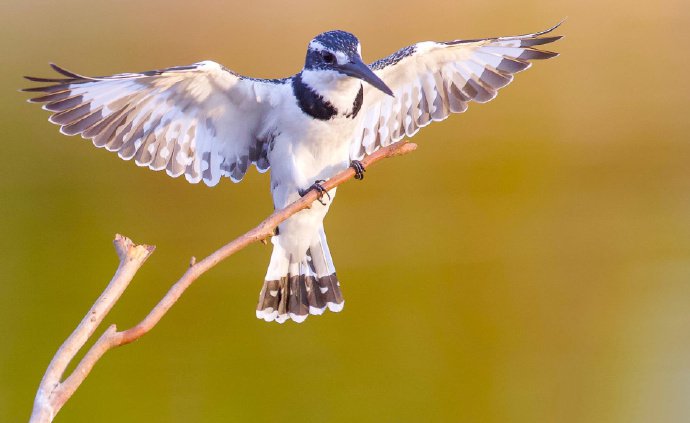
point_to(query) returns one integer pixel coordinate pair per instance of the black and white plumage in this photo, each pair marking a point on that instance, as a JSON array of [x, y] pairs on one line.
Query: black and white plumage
[[206, 122]]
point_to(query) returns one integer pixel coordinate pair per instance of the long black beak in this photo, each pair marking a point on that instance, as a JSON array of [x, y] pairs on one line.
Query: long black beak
[[359, 69]]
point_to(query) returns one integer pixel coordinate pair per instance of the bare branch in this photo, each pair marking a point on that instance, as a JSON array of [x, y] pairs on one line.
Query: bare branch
[[48, 399], [52, 393]]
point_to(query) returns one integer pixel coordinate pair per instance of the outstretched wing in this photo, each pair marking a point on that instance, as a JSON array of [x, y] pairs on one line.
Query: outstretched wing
[[431, 80], [201, 120]]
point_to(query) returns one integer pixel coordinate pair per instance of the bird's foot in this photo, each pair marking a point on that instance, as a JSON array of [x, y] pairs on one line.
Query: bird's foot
[[319, 188], [359, 169]]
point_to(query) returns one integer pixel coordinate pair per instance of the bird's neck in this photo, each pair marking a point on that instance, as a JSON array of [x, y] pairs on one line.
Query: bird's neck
[[325, 95]]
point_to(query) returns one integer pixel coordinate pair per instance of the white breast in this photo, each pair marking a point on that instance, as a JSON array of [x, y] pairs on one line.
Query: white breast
[[306, 149]]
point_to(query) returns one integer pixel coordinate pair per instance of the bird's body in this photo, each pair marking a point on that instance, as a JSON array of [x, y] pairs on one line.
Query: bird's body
[[316, 150], [206, 122]]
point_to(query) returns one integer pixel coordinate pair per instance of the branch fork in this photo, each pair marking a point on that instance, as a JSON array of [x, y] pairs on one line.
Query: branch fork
[[54, 392]]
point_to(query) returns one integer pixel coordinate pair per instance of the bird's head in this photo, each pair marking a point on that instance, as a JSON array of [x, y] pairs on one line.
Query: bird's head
[[337, 55]]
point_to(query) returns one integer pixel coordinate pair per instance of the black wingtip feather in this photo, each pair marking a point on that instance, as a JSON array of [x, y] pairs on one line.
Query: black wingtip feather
[[65, 72], [534, 54], [530, 42], [510, 65], [46, 88], [70, 77], [38, 79], [56, 96], [553, 28], [36, 89]]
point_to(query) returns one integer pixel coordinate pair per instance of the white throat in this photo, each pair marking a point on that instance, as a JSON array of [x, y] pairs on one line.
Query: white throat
[[338, 89]]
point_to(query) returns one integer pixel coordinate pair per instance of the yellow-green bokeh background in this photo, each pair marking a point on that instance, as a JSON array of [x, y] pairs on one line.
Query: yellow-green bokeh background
[[529, 263]]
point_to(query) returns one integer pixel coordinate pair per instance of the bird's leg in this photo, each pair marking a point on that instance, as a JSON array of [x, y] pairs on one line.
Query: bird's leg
[[359, 169], [319, 188]]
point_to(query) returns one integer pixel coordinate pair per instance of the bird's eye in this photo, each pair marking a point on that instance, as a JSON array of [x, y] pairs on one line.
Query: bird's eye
[[328, 57]]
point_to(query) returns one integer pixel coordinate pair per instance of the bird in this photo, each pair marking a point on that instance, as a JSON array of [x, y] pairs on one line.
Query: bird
[[206, 122]]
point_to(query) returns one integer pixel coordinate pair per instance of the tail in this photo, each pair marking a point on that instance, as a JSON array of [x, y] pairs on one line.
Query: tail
[[295, 289]]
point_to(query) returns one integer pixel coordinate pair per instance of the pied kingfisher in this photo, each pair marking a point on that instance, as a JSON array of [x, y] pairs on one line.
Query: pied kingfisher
[[205, 121]]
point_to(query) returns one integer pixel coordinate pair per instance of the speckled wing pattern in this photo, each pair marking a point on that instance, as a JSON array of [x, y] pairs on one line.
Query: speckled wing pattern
[[431, 80], [199, 120]]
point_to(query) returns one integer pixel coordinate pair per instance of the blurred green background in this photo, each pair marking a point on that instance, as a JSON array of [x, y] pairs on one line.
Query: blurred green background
[[529, 263]]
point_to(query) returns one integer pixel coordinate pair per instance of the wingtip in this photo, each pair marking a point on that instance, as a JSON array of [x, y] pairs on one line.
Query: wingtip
[[39, 79], [28, 100], [69, 76], [29, 90], [65, 72], [63, 132], [558, 24], [553, 28]]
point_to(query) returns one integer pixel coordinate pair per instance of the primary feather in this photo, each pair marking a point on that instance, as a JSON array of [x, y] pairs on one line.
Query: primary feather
[[200, 120], [431, 80]]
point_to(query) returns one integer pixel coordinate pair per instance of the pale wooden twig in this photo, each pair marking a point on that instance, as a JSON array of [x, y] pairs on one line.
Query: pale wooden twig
[[52, 393]]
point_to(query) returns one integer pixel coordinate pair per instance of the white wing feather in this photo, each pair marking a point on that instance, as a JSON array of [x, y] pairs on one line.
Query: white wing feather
[[201, 120], [431, 80]]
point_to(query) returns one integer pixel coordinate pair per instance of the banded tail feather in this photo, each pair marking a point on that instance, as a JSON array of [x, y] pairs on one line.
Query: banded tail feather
[[294, 289]]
